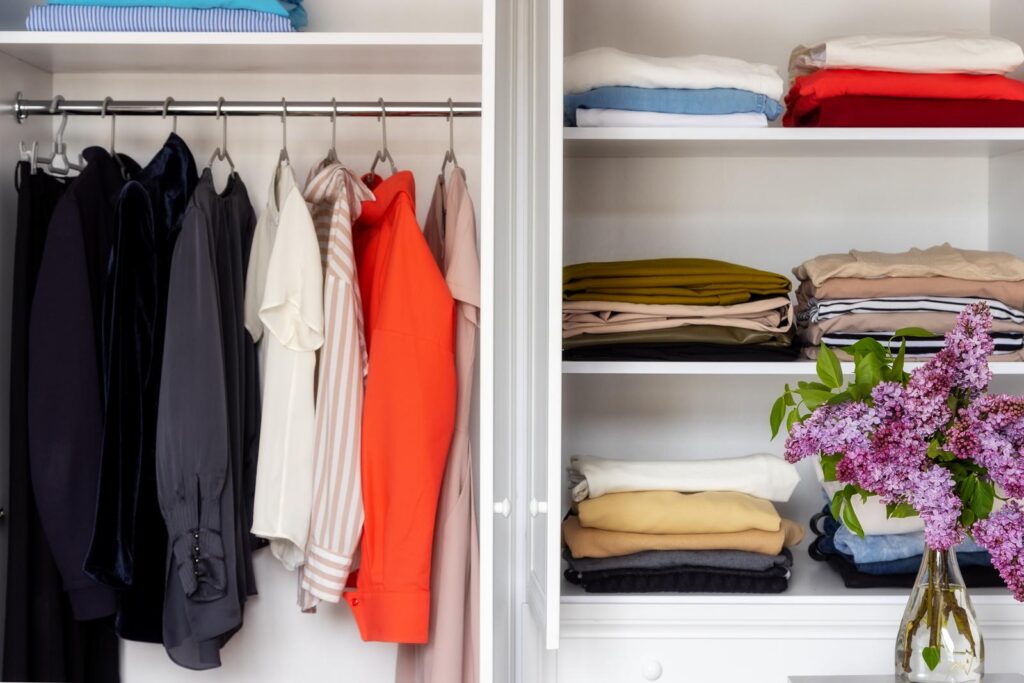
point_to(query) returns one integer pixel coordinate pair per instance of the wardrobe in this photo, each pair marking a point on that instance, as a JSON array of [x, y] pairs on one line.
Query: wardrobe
[[400, 51], [768, 198]]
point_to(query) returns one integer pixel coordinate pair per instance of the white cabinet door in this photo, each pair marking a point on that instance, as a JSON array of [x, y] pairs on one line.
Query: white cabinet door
[[543, 279]]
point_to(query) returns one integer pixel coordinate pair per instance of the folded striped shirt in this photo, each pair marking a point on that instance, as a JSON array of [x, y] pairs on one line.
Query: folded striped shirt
[[1005, 342], [154, 19], [825, 309]]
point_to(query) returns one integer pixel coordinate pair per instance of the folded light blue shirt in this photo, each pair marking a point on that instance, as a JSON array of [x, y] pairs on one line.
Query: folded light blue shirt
[[888, 547], [710, 101], [159, 19], [285, 8]]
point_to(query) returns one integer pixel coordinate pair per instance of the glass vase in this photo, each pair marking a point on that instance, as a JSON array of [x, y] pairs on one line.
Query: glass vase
[[939, 640]]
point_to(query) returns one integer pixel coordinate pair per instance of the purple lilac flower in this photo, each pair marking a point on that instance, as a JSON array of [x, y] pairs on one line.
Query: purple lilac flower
[[1002, 535], [991, 433], [842, 428], [933, 494]]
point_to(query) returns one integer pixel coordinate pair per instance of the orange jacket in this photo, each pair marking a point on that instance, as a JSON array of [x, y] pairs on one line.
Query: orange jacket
[[408, 414]]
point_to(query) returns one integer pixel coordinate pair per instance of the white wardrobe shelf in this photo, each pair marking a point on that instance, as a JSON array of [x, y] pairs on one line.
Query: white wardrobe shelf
[[792, 142], [300, 53], [793, 369]]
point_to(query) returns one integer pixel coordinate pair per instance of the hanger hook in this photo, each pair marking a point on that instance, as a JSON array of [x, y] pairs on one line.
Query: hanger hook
[[284, 123], [113, 124], [224, 125], [167, 106], [55, 104]]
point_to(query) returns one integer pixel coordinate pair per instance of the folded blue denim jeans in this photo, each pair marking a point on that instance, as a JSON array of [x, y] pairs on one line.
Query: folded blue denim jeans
[[829, 529], [711, 101], [888, 547]]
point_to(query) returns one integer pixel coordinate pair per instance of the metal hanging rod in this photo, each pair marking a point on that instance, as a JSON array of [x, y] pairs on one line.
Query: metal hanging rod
[[22, 108]]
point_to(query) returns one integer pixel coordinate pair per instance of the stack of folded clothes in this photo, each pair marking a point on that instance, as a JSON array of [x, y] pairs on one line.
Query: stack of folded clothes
[[676, 309], [705, 526], [845, 297], [888, 560], [906, 81], [172, 16], [608, 87]]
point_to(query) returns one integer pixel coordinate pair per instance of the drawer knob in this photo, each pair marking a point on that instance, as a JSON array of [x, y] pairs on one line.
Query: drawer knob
[[652, 670], [503, 508], [538, 507]]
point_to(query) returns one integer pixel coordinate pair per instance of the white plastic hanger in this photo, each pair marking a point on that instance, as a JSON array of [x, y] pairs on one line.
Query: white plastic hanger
[[449, 156], [221, 153], [283, 159], [384, 154]]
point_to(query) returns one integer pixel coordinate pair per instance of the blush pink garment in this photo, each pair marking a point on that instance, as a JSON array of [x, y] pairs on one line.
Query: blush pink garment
[[452, 653]]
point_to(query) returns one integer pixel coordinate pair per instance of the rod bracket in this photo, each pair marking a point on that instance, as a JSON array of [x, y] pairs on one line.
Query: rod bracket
[[19, 115]]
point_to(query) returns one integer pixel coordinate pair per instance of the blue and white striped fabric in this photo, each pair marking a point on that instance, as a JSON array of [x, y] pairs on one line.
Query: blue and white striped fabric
[[160, 19]]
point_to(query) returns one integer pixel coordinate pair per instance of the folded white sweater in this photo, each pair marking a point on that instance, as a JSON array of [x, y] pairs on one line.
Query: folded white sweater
[[611, 118], [606, 66], [761, 475], [916, 53]]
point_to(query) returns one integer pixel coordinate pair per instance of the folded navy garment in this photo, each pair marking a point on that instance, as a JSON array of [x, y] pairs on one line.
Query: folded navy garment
[[711, 101], [684, 351], [669, 559], [681, 580], [154, 19]]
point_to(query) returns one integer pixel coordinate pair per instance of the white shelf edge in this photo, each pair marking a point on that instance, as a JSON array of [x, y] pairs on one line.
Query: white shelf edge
[[779, 134], [791, 369], [300, 38]]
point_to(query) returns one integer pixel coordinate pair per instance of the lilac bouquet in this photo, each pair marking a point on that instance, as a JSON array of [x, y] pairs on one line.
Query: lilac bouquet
[[929, 443]]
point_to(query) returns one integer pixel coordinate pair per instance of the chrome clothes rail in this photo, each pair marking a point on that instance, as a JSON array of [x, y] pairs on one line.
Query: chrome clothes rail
[[23, 108]]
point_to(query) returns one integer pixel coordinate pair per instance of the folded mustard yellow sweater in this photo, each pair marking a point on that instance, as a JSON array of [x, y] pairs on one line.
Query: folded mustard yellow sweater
[[670, 512]]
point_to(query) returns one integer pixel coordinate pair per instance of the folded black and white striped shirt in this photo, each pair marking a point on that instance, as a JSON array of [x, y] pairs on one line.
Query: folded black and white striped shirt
[[825, 309], [1005, 342]]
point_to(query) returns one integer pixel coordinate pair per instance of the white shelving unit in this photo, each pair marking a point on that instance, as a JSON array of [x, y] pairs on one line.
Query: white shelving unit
[[768, 198]]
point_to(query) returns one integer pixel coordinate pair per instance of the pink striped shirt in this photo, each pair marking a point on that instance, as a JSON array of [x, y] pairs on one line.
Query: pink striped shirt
[[335, 196]]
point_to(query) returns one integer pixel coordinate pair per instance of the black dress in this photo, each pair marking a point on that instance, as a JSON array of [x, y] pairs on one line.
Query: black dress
[[129, 543], [42, 640]]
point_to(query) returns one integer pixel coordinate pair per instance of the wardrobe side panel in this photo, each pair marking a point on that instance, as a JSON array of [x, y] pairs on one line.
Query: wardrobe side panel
[[16, 77]]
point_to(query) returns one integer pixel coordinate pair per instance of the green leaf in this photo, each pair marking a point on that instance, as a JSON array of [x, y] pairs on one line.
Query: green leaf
[[792, 419], [868, 370], [836, 506], [850, 518], [931, 657], [828, 466], [983, 499], [913, 332], [900, 511], [841, 397], [788, 397], [896, 374], [968, 518], [867, 347], [778, 413], [813, 385], [829, 369], [814, 397], [859, 392]]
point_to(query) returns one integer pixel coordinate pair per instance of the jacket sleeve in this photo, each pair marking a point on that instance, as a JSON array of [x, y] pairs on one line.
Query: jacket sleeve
[[64, 409], [192, 447]]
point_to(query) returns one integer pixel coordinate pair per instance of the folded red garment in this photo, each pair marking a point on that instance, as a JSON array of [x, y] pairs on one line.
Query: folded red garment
[[808, 92], [857, 111]]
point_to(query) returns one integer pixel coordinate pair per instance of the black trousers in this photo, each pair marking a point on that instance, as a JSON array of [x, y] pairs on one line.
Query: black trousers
[[42, 641]]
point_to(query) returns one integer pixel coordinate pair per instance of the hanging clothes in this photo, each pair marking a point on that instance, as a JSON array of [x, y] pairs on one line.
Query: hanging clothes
[[65, 395], [233, 238], [408, 415], [42, 639], [452, 653], [284, 312], [129, 538], [198, 447], [335, 197]]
